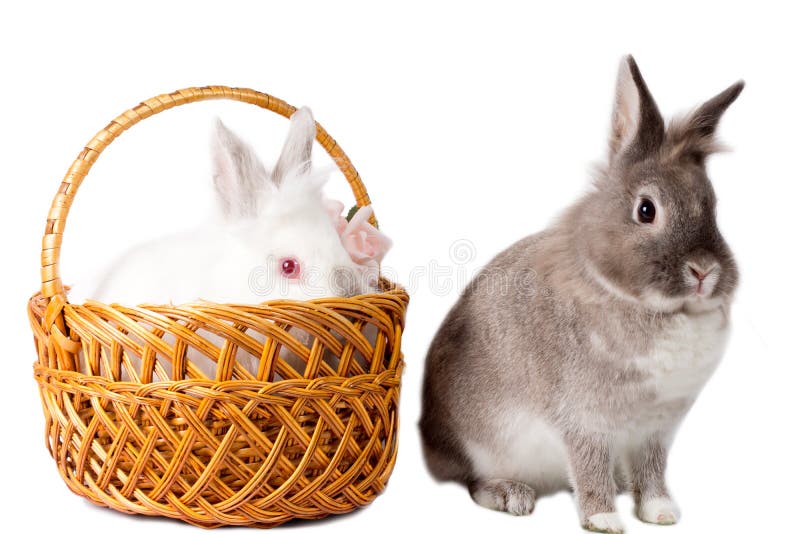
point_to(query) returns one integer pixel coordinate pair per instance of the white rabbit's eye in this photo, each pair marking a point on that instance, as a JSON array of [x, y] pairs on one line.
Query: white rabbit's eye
[[290, 267], [646, 212]]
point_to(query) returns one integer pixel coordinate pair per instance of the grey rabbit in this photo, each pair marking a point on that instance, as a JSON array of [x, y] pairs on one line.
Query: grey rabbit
[[570, 360]]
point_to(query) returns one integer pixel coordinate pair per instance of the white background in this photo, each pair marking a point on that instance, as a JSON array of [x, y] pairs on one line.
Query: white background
[[466, 121]]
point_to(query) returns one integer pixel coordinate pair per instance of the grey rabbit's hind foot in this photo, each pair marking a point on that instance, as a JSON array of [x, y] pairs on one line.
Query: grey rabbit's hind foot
[[516, 498]]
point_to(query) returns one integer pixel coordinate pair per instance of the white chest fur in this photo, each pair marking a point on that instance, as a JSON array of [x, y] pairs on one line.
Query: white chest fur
[[684, 356]]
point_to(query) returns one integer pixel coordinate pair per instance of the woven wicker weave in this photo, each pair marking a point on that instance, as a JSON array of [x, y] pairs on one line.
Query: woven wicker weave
[[233, 449]]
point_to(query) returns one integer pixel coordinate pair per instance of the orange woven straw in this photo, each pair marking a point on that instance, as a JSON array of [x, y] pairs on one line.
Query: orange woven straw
[[143, 430]]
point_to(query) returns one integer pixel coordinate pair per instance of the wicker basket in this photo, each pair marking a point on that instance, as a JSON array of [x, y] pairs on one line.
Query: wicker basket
[[234, 449]]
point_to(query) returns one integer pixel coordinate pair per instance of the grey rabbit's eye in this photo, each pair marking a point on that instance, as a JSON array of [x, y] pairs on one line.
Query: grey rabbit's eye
[[646, 212]]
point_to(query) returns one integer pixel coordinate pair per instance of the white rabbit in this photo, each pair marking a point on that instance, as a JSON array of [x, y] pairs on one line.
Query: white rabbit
[[273, 237], [276, 237]]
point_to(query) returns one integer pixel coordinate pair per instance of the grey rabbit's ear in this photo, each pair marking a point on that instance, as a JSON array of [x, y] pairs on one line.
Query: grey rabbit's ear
[[239, 176], [637, 128], [296, 154], [693, 136]]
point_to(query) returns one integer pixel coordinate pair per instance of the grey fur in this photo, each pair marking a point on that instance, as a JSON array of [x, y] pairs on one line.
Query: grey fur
[[592, 298]]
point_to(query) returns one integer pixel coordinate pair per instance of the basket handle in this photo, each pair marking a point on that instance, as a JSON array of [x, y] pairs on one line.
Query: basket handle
[[59, 209]]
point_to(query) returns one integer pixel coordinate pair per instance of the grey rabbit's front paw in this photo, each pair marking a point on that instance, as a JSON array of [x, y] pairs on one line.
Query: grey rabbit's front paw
[[658, 511], [608, 523]]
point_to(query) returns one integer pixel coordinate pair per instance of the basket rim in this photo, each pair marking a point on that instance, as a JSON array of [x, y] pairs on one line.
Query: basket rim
[[38, 301]]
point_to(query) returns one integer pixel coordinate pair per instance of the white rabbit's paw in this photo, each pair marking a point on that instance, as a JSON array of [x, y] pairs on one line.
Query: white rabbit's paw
[[608, 523], [504, 495], [659, 511]]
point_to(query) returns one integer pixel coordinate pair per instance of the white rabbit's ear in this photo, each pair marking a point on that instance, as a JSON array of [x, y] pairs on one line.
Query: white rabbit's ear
[[637, 128], [239, 176], [296, 154]]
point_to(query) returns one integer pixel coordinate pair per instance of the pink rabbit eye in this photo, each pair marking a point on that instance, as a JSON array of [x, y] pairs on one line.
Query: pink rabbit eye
[[290, 267]]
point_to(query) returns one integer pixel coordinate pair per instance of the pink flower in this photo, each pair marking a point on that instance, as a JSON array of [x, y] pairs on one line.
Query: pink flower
[[366, 244]]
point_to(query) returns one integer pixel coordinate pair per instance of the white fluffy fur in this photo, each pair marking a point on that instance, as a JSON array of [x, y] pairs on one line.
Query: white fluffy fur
[[685, 357], [235, 256]]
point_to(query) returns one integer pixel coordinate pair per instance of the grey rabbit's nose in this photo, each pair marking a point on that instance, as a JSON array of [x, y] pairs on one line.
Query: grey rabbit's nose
[[701, 271]]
